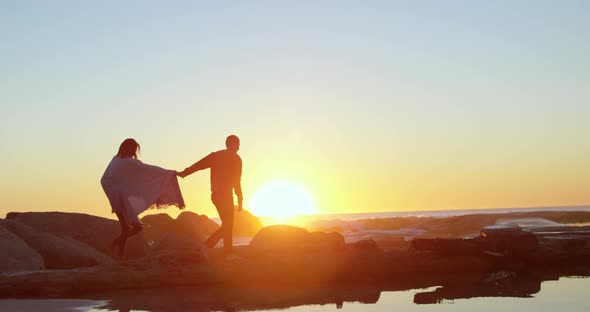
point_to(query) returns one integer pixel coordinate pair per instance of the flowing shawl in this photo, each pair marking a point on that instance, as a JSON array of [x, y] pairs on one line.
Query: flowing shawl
[[132, 187]]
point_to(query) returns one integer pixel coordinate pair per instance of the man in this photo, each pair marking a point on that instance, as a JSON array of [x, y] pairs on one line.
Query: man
[[226, 175]]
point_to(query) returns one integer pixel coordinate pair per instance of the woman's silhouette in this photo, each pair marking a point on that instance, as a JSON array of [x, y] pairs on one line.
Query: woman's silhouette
[[132, 187]]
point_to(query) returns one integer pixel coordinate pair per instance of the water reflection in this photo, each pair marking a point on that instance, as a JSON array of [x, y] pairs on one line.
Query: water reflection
[[522, 284], [437, 289], [569, 294], [499, 284], [237, 299]]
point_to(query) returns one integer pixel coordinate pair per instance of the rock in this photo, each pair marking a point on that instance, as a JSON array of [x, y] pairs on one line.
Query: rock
[[320, 241], [175, 242], [246, 224], [286, 238], [279, 237], [184, 258], [449, 246], [185, 233], [98, 233], [161, 222], [155, 227], [57, 252], [567, 246], [16, 255], [365, 245], [499, 277], [93, 231], [156, 271], [196, 225], [508, 239]]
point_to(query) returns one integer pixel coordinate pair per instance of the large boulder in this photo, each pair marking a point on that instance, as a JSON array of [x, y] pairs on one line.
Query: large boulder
[[195, 225], [156, 225], [57, 252], [246, 224], [185, 233], [93, 231], [290, 239], [320, 241], [160, 233], [16, 255], [280, 237]]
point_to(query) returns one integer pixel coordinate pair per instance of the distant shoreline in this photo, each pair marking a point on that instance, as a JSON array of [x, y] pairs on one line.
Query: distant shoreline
[[424, 213]]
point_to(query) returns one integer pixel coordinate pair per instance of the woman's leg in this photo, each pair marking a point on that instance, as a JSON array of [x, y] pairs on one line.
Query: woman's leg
[[134, 230], [133, 227], [122, 239], [128, 233]]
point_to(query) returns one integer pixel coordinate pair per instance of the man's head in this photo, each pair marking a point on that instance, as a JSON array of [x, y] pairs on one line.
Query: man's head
[[232, 143]]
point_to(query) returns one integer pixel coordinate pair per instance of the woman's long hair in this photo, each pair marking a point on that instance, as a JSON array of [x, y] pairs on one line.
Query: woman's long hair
[[129, 148]]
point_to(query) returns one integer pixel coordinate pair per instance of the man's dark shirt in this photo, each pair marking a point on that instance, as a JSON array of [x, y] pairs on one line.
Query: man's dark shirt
[[226, 172]]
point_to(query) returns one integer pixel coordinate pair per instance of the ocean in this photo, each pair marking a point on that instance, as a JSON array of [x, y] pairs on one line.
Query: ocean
[[350, 225], [437, 213]]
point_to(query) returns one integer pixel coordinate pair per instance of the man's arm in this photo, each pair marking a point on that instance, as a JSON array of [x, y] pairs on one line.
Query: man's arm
[[238, 186], [204, 163]]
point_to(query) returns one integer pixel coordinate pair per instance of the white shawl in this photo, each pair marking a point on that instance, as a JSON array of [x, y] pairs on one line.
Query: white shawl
[[133, 187]]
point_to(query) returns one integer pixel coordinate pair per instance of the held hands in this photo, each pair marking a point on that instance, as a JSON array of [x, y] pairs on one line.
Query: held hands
[[181, 174]]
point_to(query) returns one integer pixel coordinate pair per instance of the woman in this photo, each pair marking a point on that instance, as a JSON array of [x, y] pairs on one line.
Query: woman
[[133, 187]]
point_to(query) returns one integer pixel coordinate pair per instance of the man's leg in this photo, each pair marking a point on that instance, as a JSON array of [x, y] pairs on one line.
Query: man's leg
[[225, 208], [218, 234], [228, 226], [215, 237]]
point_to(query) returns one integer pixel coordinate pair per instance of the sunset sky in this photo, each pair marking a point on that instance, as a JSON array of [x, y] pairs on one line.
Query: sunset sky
[[367, 105]]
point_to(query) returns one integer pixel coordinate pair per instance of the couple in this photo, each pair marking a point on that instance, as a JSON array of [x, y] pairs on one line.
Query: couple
[[133, 187]]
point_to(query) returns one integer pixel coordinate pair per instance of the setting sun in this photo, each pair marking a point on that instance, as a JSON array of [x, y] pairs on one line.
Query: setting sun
[[282, 199]]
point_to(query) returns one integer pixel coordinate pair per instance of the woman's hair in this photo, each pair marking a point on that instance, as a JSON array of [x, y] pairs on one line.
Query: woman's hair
[[129, 148]]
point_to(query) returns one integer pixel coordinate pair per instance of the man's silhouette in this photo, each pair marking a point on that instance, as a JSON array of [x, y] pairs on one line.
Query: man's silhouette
[[226, 175]]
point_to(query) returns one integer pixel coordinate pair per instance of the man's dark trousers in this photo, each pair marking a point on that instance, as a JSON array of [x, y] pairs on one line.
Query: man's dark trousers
[[225, 207]]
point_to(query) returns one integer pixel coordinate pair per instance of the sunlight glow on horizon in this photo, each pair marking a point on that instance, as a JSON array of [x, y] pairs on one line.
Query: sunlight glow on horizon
[[281, 199]]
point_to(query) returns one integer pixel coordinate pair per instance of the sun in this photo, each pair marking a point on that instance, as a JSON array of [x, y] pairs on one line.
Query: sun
[[282, 199]]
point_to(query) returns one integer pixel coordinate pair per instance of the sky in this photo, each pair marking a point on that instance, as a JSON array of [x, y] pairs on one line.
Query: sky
[[367, 105]]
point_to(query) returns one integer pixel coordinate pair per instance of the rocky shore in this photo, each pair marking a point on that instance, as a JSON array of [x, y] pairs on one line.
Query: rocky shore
[[65, 255]]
